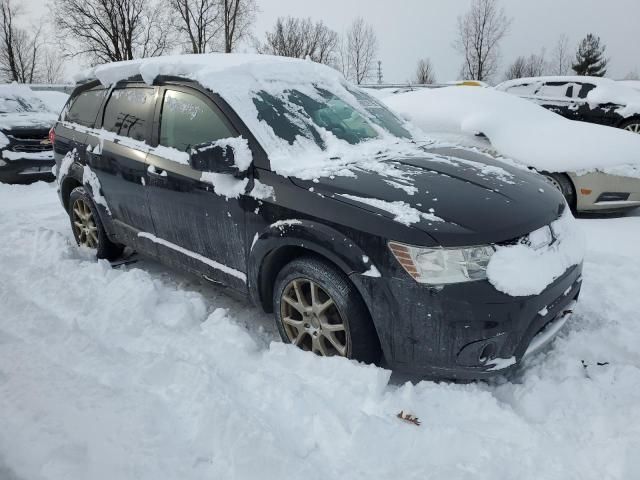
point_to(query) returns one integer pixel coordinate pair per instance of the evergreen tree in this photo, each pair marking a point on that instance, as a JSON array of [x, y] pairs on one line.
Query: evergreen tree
[[590, 59]]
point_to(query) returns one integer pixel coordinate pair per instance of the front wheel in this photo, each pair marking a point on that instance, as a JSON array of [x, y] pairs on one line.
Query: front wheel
[[632, 126], [563, 184], [87, 226], [319, 310]]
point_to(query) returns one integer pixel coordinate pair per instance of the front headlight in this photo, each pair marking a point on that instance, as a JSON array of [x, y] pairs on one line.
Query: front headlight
[[442, 266]]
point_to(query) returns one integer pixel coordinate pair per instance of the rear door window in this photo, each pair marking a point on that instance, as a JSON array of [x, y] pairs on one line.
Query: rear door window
[[128, 111], [556, 90], [188, 120], [524, 88], [84, 108]]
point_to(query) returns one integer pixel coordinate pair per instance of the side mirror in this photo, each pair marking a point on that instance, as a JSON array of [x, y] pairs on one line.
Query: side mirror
[[210, 157]]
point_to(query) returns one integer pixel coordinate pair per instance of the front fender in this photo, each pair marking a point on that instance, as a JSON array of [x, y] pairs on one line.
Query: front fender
[[315, 237]]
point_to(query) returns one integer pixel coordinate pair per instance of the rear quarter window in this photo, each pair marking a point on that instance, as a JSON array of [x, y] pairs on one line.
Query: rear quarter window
[[128, 111], [83, 109], [523, 89]]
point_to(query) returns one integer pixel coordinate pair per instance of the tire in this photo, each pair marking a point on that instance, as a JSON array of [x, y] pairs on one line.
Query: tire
[[87, 227], [315, 331], [564, 185], [632, 125]]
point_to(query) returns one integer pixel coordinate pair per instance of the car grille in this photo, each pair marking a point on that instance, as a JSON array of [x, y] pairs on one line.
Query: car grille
[[28, 144]]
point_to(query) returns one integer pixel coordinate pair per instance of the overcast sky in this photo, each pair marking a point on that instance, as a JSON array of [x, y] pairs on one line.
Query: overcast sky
[[410, 29]]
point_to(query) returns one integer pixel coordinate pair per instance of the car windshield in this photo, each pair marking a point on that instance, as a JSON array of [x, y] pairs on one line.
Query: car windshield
[[293, 113], [18, 104]]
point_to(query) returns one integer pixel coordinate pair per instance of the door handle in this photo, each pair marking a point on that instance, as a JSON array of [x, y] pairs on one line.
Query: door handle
[[156, 172]]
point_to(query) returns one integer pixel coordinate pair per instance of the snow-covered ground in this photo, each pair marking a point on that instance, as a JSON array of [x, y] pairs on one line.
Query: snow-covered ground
[[144, 373]]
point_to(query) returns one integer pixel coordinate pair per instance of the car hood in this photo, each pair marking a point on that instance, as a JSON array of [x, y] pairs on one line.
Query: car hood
[[458, 196], [12, 121]]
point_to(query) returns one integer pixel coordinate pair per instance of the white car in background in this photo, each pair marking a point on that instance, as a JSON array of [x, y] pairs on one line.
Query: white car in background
[[586, 99], [595, 167]]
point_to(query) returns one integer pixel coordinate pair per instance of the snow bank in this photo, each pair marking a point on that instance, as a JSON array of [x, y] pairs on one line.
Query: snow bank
[[239, 77], [522, 270], [523, 131], [142, 373]]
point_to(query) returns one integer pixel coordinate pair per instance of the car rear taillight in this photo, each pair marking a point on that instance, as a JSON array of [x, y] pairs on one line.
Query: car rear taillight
[[52, 136]]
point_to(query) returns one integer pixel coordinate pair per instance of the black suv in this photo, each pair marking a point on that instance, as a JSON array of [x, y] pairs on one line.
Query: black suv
[[377, 257]]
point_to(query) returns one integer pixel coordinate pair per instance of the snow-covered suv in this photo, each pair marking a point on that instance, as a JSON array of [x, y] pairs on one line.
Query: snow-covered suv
[[26, 154], [276, 178]]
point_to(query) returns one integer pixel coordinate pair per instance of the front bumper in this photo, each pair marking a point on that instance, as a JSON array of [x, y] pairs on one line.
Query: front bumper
[[464, 331], [26, 168], [601, 192]]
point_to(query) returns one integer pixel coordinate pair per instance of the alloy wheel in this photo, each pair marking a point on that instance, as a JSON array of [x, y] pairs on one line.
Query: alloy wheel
[[633, 127], [84, 224], [555, 183], [311, 319]]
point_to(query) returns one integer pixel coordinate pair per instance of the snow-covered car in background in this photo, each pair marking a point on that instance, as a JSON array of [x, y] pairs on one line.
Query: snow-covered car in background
[[596, 168], [279, 180], [588, 99], [26, 154]]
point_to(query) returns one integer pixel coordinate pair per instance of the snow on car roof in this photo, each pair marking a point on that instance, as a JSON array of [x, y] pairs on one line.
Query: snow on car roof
[[241, 79], [521, 130], [606, 91], [556, 78]]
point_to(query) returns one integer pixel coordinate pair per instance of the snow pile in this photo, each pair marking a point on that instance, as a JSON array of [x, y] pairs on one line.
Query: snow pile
[[522, 131], [143, 373], [522, 270], [240, 79]]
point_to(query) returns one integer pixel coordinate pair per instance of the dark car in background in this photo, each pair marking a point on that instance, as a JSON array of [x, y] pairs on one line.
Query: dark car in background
[[587, 99], [353, 263], [26, 154]]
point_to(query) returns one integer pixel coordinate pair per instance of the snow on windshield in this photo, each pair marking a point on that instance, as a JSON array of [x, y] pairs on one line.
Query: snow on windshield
[[20, 99], [296, 109], [521, 130]]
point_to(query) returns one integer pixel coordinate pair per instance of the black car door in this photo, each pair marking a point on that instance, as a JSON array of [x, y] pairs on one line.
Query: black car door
[[195, 227], [557, 97], [117, 153]]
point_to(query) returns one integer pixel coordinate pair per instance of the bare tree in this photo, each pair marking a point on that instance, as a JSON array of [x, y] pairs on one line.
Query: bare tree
[[301, 38], [516, 69], [237, 18], [424, 72], [52, 70], [112, 30], [198, 23], [358, 51], [632, 75], [19, 48], [532, 66], [479, 33], [561, 59]]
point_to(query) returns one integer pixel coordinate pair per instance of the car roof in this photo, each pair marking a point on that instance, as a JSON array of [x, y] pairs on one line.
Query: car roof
[[564, 78]]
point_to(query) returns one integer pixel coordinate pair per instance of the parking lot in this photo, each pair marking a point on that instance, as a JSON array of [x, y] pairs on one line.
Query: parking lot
[[174, 379]]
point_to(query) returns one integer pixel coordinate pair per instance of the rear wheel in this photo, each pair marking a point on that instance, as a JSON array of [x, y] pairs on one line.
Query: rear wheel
[[319, 310], [632, 125], [563, 184], [87, 226]]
